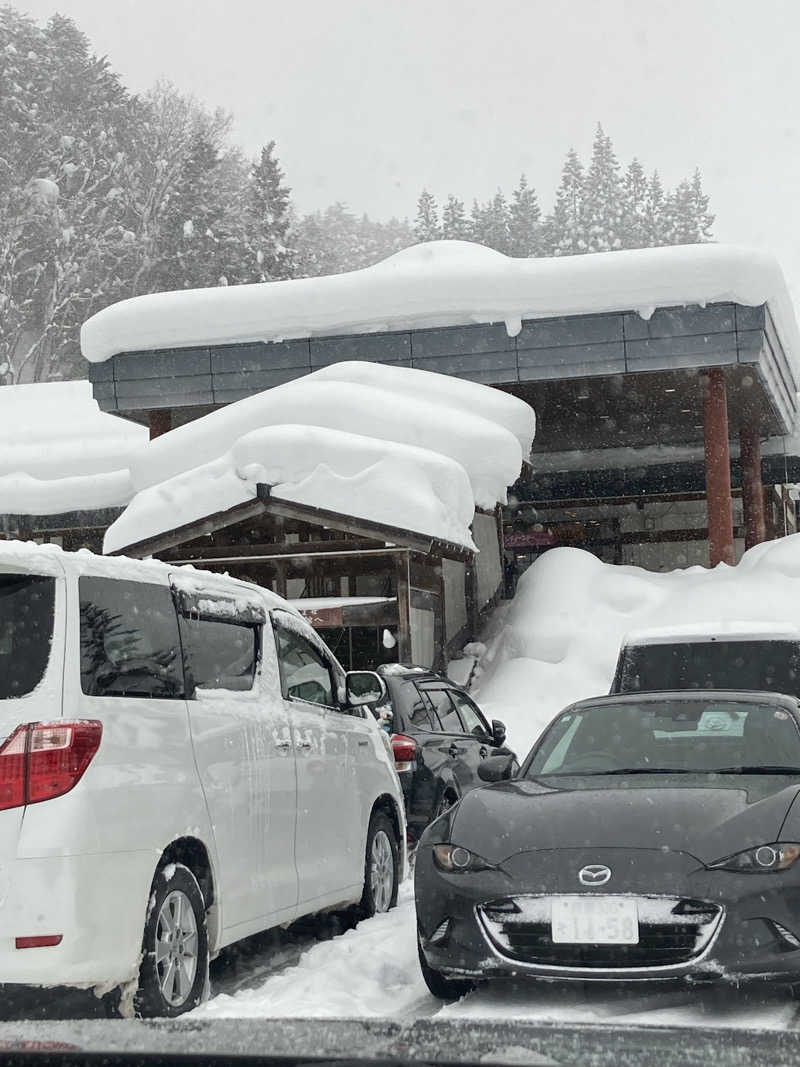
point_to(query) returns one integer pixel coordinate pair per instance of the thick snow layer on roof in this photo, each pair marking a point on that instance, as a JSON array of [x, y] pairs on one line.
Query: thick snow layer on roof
[[60, 452], [446, 283], [410, 449], [396, 484], [559, 639], [430, 412]]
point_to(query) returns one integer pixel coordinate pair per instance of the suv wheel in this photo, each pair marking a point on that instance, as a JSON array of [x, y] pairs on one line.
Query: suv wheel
[[174, 967], [381, 867]]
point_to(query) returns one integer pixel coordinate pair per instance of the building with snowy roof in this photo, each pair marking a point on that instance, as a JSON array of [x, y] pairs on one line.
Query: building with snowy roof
[[64, 464], [665, 380]]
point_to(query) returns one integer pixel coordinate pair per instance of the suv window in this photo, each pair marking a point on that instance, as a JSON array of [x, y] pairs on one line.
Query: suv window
[[27, 607], [420, 715], [305, 673], [129, 640], [219, 654], [444, 709], [474, 722]]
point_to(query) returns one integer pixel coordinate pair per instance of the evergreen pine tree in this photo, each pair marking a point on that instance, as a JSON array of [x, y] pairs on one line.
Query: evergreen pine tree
[[635, 222], [496, 221], [680, 221], [426, 224], [565, 234], [703, 220], [455, 224], [270, 205], [524, 221], [478, 223], [654, 223], [603, 210]]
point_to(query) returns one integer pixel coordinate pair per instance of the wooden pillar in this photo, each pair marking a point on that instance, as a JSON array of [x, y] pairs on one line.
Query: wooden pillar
[[718, 468], [403, 608], [160, 421], [755, 530]]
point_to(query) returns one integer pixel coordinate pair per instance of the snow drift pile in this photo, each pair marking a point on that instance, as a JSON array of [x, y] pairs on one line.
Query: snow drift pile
[[445, 283], [407, 448], [559, 639], [59, 452]]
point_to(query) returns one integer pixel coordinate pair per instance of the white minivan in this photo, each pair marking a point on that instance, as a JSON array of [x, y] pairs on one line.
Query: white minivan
[[183, 763]]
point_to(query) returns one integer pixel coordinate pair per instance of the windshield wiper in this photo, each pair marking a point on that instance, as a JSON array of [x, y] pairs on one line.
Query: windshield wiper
[[618, 770], [763, 768]]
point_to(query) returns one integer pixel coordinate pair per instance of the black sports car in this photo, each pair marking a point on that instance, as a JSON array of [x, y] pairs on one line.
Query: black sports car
[[647, 836]]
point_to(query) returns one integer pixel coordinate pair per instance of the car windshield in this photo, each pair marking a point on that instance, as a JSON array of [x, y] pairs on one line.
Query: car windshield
[[27, 605], [772, 666], [677, 736], [372, 374]]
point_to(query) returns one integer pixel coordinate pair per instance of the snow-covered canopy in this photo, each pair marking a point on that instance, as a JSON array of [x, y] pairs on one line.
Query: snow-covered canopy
[[446, 283], [410, 449], [560, 638], [59, 452]]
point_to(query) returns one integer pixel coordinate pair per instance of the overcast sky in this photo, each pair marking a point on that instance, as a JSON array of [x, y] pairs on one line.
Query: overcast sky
[[369, 100]]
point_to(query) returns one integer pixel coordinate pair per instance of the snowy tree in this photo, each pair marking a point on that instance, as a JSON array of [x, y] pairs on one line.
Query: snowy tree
[[455, 224], [654, 212], [496, 221], [704, 221], [426, 224], [270, 219], [602, 209], [524, 221], [65, 241], [635, 227], [564, 230]]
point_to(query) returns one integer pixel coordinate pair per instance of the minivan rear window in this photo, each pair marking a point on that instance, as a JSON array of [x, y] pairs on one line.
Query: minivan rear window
[[129, 640], [27, 612], [770, 666]]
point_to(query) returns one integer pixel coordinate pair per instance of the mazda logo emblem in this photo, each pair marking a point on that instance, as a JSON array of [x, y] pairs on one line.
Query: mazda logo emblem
[[594, 874]]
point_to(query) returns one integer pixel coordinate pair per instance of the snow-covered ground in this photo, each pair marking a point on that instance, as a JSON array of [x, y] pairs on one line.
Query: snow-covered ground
[[559, 639], [372, 972]]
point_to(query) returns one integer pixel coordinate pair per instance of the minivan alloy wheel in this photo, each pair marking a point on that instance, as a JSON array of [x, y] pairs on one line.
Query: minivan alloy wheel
[[382, 871], [176, 948]]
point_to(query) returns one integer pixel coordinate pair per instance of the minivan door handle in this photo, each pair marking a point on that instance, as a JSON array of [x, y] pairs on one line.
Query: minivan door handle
[[283, 744]]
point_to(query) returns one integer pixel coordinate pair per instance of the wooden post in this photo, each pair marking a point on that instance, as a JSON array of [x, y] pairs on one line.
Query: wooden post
[[755, 530], [402, 566], [160, 421], [718, 468]]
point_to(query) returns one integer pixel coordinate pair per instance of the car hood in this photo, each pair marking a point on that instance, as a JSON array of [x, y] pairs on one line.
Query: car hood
[[675, 813]]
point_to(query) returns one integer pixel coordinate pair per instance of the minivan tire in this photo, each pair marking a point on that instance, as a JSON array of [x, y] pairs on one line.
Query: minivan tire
[[173, 973], [381, 867]]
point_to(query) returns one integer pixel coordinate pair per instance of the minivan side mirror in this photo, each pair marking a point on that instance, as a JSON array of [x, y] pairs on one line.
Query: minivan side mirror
[[497, 768], [363, 688], [499, 732]]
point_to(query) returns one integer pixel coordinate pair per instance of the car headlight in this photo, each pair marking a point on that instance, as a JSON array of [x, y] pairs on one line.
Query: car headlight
[[457, 860], [761, 860]]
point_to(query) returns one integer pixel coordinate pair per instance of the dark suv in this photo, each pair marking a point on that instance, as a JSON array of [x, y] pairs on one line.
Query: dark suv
[[439, 738]]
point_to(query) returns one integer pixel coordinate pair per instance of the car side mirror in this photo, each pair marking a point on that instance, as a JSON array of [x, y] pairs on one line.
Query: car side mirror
[[499, 732], [497, 769], [364, 688]]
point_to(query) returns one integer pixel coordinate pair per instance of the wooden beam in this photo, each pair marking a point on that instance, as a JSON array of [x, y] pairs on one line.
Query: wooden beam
[[403, 609], [190, 531], [238, 551]]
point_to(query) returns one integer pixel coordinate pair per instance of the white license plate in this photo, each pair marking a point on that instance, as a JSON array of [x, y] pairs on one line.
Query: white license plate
[[595, 921]]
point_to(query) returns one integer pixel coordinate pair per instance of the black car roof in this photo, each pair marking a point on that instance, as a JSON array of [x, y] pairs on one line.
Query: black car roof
[[730, 695]]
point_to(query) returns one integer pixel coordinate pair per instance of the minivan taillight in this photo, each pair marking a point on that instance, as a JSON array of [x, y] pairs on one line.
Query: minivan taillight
[[42, 760], [405, 752]]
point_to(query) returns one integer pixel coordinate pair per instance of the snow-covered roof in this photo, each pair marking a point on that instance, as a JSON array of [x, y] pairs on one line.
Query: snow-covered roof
[[716, 629], [447, 283], [59, 452], [409, 449]]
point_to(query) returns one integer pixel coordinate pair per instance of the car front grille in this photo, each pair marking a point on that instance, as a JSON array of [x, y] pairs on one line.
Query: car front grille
[[672, 931]]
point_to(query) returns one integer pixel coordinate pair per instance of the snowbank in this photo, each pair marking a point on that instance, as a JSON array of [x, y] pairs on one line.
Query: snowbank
[[409, 449], [559, 639], [446, 283], [59, 452], [371, 971]]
